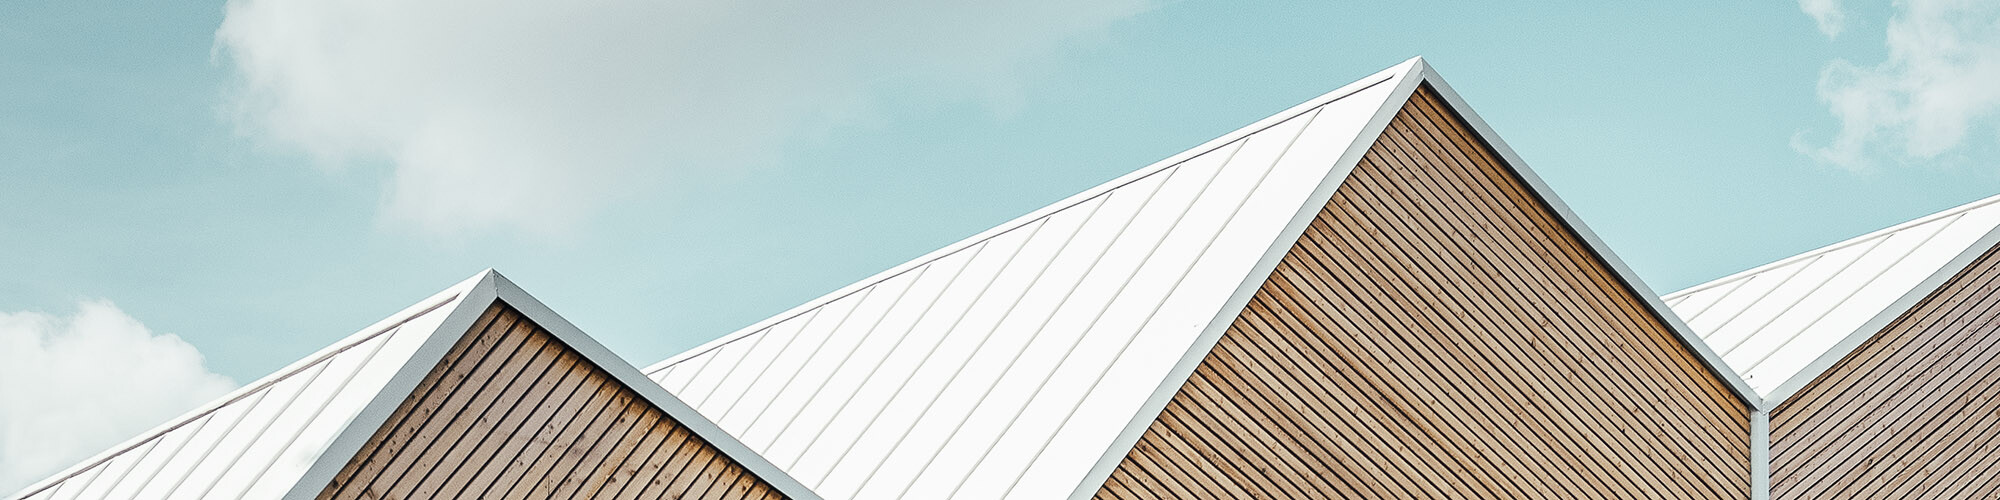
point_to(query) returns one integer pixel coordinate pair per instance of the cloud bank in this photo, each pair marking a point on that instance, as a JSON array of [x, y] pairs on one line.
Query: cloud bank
[[1939, 85], [511, 114], [72, 386]]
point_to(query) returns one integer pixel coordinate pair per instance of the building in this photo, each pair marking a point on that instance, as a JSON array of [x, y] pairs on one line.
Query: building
[[1873, 357], [1368, 295]]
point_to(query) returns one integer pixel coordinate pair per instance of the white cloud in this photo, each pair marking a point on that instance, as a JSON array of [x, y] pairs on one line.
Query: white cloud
[[1940, 83], [1827, 14], [518, 114], [73, 386]]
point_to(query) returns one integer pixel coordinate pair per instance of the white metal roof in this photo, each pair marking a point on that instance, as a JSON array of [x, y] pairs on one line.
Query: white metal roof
[[286, 435], [1021, 362], [1781, 324], [259, 440]]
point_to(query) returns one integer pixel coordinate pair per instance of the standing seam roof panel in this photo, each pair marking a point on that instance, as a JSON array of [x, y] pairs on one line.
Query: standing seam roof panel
[[257, 441], [1010, 372], [1771, 323]]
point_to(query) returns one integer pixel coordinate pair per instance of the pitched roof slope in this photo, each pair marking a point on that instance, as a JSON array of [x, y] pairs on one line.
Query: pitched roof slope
[[1005, 364], [1020, 362], [1782, 323], [259, 440], [287, 435]]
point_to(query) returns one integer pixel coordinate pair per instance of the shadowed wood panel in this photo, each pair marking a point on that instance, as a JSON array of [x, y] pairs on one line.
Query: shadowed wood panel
[[1437, 332], [512, 412], [1912, 413]]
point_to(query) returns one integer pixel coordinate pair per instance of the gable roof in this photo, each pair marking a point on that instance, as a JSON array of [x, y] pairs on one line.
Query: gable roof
[[1024, 361], [1782, 324], [287, 434]]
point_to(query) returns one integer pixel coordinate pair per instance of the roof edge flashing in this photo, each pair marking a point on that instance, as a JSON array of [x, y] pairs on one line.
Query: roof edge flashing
[[1540, 189], [1405, 85], [478, 290]]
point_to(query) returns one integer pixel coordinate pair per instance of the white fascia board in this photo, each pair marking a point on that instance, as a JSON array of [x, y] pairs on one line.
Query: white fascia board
[[1867, 330], [1405, 85], [1631, 280]]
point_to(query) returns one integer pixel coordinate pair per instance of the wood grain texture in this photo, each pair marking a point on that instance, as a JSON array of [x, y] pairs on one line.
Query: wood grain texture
[[1912, 413], [1437, 332], [512, 412]]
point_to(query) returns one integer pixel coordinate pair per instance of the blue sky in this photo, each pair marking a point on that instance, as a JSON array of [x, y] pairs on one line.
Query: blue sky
[[260, 178]]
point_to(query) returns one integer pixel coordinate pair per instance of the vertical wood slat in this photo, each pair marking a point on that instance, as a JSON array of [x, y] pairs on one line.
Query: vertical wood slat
[[512, 412], [1912, 413], [1438, 333]]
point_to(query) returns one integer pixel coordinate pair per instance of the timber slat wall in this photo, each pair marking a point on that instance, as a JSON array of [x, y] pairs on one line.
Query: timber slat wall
[[1914, 412], [512, 412], [1438, 333]]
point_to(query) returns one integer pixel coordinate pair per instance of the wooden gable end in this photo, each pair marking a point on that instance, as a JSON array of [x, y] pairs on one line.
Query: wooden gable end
[[512, 412], [1438, 332], [1911, 413]]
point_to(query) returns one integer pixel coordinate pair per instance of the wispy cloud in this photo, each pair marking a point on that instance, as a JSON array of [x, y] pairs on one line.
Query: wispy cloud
[[1939, 84], [524, 114], [1828, 14], [72, 386]]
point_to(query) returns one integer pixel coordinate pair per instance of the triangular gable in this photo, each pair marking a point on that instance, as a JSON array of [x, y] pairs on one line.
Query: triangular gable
[[291, 434], [1783, 324], [1438, 332], [1026, 360]]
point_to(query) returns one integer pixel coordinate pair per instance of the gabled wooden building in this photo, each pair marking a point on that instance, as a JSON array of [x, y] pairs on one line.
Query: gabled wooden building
[[1875, 359], [1368, 295]]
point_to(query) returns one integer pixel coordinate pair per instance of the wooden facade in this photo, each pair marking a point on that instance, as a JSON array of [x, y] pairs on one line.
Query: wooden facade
[[512, 412], [1438, 332], [1913, 412]]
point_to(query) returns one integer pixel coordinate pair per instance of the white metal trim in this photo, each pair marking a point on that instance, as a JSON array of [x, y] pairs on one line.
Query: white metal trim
[[1867, 330], [1541, 190], [623, 371], [399, 387], [1175, 378], [1760, 454]]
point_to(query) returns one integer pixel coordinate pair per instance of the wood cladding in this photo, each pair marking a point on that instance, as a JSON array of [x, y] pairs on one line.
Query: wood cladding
[[1913, 412], [512, 412], [1438, 332]]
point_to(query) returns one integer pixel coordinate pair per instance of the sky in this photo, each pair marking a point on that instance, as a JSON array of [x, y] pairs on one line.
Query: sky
[[194, 194]]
